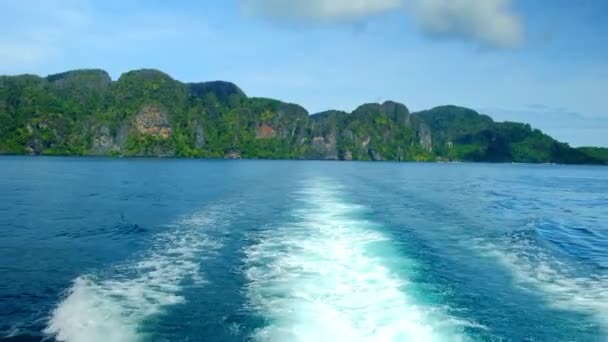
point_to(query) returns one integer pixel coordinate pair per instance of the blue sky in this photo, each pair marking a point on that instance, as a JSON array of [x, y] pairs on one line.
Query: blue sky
[[539, 61]]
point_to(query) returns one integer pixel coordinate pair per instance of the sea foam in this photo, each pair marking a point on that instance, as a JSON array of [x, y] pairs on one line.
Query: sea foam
[[113, 305], [326, 275], [535, 269]]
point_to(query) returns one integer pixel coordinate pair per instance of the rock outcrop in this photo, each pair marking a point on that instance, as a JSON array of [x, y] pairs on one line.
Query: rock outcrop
[[152, 120], [105, 142], [264, 131]]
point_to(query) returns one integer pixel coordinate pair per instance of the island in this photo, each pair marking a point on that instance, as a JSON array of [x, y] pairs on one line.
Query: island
[[147, 113]]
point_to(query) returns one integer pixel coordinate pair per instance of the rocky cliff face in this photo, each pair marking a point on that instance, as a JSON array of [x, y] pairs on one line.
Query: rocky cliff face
[[47, 132], [324, 147], [264, 131], [199, 135], [105, 142], [153, 121], [425, 139]]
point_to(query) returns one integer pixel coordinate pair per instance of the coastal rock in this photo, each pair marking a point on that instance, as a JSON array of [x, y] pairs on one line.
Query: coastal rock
[[366, 142], [374, 155], [47, 133], [264, 131], [199, 135], [424, 137], [232, 154], [324, 147], [105, 142], [152, 120]]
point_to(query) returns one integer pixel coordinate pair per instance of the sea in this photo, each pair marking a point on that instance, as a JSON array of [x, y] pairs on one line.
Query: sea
[[102, 249]]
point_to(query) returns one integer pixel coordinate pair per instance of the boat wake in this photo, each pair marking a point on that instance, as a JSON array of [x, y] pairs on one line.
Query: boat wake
[[112, 306], [328, 274], [562, 285]]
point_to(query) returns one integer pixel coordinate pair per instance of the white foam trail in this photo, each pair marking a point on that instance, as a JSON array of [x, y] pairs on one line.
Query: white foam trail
[[326, 277], [533, 269], [99, 308]]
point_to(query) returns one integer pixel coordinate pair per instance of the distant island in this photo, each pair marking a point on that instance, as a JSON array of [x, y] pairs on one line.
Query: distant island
[[148, 113]]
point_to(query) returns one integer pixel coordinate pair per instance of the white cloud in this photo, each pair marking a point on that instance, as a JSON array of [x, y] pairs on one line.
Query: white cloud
[[318, 10], [488, 22]]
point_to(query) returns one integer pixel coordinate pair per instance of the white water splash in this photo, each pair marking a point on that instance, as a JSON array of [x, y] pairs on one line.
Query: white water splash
[[112, 309], [326, 277]]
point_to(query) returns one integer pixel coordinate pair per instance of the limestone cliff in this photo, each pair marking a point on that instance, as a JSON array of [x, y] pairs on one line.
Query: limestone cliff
[[148, 113]]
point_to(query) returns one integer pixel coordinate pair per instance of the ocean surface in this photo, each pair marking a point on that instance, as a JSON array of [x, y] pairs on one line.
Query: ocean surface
[[95, 249]]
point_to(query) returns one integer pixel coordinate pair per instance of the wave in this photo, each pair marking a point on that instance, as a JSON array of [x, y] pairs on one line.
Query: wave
[[112, 306], [330, 275], [562, 285]]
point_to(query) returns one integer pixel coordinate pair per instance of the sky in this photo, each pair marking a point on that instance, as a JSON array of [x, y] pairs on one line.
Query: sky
[[544, 62]]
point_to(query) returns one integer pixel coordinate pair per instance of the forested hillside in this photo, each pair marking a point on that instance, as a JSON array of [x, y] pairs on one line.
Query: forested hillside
[[147, 113]]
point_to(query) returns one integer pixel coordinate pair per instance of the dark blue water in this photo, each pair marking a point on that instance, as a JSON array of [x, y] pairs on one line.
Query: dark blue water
[[192, 250]]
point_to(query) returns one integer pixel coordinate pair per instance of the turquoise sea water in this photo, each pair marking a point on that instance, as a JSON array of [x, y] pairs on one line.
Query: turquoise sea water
[[193, 250]]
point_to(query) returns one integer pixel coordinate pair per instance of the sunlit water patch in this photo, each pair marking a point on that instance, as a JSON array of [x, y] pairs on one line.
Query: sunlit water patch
[[328, 274], [112, 306]]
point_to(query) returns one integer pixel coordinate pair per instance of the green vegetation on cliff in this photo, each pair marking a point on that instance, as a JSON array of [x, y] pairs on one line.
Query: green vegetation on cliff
[[600, 153], [147, 113]]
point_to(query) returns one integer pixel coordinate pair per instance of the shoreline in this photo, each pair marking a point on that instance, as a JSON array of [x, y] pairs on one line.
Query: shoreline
[[123, 157]]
